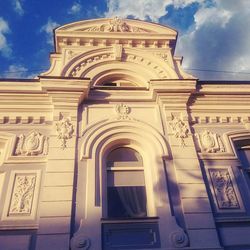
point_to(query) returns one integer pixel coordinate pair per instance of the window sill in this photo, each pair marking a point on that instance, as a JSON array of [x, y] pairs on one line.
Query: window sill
[[125, 220], [232, 219]]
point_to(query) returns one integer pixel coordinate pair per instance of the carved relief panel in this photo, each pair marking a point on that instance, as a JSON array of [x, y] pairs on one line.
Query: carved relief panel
[[224, 189], [32, 144], [21, 199]]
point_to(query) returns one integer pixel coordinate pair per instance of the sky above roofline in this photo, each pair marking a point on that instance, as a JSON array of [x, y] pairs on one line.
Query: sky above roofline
[[213, 36]]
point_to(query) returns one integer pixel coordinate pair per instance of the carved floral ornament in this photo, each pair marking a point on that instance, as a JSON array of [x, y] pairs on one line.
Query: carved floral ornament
[[210, 142], [32, 144], [116, 25], [179, 129], [222, 184], [22, 196], [64, 129]]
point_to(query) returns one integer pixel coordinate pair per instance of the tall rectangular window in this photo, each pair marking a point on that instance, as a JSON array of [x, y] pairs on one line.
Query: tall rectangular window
[[126, 192]]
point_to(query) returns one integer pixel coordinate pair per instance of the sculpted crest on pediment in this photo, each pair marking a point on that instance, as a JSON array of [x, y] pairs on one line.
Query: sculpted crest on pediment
[[116, 25]]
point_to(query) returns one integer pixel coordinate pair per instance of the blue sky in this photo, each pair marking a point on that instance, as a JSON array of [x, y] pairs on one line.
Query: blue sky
[[213, 34]]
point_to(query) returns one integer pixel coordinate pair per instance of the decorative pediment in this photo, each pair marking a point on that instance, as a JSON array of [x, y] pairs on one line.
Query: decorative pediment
[[116, 25]]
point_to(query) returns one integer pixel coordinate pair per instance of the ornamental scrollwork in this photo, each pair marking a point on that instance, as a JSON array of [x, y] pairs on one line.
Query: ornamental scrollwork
[[32, 144], [179, 239], [22, 196], [64, 129], [210, 142], [179, 129], [80, 242], [225, 195]]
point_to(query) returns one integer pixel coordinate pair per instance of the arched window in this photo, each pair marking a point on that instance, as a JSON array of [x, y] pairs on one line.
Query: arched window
[[243, 151], [126, 192]]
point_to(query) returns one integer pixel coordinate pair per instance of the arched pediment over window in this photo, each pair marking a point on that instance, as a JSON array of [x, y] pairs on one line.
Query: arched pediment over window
[[84, 48]]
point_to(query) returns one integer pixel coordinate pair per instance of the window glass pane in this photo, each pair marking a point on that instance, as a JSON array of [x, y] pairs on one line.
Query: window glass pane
[[244, 155], [126, 178], [127, 202], [123, 154]]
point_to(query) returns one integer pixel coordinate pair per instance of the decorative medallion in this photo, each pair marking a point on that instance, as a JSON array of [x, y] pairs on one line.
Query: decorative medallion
[[179, 239], [22, 196], [64, 130], [179, 129], [122, 110], [210, 142], [225, 194], [33, 144]]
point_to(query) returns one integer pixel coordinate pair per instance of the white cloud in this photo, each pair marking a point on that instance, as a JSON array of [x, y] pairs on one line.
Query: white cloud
[[18, 6], [75, 9], [15, 71], [48, 29], [218, 40], [5, 49], [143, 9]]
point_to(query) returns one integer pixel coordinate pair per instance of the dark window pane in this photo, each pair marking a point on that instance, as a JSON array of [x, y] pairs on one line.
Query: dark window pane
[[127, 202], [244, 155]]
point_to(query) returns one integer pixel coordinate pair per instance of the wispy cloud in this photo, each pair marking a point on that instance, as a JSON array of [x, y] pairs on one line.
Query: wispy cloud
[[16, 71], [75, 8], [5, 49], [18, 8], [48, 29]]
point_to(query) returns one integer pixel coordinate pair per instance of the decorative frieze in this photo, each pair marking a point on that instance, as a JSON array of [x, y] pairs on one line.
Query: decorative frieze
[[22, 194], [210, 142], [179, 128], [223, 188], [32, 144], [65, 130]]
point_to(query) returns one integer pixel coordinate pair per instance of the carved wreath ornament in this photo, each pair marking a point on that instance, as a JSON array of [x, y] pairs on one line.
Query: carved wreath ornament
[[64, 129], [122, 110]]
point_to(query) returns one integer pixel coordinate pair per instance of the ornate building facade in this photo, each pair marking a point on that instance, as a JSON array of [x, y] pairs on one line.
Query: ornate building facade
[[116, 147]]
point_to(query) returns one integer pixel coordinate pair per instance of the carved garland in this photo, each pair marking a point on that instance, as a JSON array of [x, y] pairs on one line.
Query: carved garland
[[179, 129], [64, 129]]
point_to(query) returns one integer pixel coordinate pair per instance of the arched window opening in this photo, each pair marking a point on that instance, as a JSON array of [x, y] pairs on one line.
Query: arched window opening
[[126, 192]]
